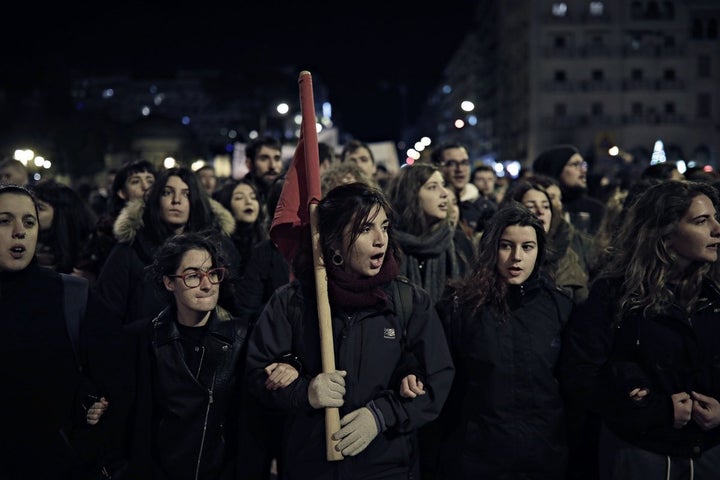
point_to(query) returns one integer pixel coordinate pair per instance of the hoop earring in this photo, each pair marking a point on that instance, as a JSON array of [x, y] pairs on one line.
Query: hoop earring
[[337, 259]]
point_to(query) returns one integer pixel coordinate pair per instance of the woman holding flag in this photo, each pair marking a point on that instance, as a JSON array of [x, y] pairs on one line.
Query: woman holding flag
[[377, 431]]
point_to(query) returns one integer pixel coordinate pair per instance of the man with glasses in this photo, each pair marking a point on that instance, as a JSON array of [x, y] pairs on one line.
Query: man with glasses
[[567, 165], [454, 162]]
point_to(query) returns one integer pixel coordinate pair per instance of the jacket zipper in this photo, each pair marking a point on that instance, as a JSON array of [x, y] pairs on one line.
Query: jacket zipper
[[205, 423]]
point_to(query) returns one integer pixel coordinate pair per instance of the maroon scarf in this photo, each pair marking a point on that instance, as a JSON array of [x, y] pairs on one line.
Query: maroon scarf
[[347, 291]]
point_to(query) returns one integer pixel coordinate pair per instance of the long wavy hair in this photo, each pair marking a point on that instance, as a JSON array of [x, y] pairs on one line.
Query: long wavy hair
[[403, 193], [201, 216], [641, 256], [485, 285]]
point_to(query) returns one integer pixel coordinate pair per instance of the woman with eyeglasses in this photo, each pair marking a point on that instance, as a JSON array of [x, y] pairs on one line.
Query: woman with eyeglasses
[[185, 420]]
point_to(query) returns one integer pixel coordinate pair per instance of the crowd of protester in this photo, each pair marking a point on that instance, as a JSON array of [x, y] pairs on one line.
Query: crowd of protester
[[481, 329]]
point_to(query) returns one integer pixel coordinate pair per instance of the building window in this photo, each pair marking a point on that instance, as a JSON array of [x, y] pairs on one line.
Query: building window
[[597, 41], [697, 29], [653, 10], [560, 42], [636, 10], [669, 74], [669, 41], [596, 9], [560, 76], [560, 110], [670, 108], [597, 109], [559, 9], [669, 10], [712, 31], [636, 74], [703, 66], [703, 106], [598, 75], [636, 109]]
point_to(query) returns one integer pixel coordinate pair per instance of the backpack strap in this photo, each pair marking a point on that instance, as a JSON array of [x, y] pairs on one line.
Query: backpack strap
[[75, 294], [403, 301]]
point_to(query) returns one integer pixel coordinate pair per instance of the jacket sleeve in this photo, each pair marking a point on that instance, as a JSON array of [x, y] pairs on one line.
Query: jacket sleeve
[[271, 338], [114, 282], [427, 345], [592, 377]]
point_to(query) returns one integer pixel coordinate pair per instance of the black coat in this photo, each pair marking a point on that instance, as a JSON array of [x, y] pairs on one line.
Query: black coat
[[505, 415], [369, 344], [43, 389], [185, 417], [668, 354]]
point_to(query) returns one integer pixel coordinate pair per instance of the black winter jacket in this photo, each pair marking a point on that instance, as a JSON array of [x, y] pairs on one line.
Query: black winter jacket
[[505, 417], [668, 354], [369, 345]]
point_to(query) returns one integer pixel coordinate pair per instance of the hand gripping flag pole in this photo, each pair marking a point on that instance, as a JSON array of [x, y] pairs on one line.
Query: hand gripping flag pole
[[296, 208]]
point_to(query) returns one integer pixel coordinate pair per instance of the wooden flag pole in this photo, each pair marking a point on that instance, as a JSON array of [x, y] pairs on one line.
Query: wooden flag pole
[[327, 349]]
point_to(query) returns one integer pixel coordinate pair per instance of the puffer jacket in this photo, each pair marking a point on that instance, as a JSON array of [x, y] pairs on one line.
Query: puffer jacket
[[186, 422], [369, 344], [670, 353]]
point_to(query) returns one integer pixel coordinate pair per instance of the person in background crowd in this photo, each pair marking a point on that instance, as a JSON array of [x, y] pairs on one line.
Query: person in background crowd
[[567, 165], [430, 256], [382, 176], [377, 434], [465, 238], [240, 197], [185, 420], [208, 178], [263, 157], [13, 172], [563, 264], [42, 408], [130, 182], [327, 156], [662, 171], [266, 271], [342, 173], [360, 153], [642, 351], [66, 222], [504, 417], [453, 160], [484, 178]]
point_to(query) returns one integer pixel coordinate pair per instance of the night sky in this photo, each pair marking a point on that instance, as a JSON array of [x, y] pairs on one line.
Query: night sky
[[380, 60]]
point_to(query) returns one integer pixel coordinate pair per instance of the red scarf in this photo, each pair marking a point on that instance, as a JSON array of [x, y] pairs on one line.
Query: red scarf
[[346, 290]]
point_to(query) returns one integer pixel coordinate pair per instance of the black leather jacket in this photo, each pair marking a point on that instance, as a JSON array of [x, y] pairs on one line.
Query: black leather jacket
[[193, 420]]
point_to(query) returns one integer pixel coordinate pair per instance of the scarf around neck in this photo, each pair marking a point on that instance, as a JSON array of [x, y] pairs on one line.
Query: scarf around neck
[[435, 250], [346, 290]]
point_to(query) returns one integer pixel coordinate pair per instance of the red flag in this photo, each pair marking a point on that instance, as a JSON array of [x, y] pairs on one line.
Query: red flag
[[302, 181]]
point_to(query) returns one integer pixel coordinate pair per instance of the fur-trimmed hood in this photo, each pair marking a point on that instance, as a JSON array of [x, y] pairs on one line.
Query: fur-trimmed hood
[[130, 220]]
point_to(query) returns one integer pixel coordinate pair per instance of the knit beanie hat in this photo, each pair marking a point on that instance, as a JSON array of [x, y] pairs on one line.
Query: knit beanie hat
[[552, 161]]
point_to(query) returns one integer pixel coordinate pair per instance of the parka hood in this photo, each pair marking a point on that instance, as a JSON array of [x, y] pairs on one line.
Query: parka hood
[[130, 220]]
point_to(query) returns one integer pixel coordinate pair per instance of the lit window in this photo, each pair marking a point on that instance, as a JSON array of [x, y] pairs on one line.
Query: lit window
[[596, 9]]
